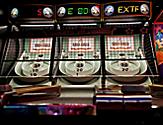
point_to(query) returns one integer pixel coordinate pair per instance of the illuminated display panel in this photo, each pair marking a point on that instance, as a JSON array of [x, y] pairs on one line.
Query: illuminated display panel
[[40, 45], [120, 43], [31, 11], [78, 10], [158, 38], [158, 42], [127, 8], [81, 44]]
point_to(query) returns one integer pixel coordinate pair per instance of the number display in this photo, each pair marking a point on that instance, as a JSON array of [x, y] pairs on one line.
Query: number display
[[75, 10], [83, 11]]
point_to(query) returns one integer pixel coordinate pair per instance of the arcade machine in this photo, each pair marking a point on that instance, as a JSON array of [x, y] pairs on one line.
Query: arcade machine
[[40, 62], [26, 54], [44, 55], [130, 63], [79, 42], [33, 44]]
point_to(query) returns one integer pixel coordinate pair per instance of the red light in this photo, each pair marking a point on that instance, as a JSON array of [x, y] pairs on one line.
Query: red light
[[98, 6], [39, 12]]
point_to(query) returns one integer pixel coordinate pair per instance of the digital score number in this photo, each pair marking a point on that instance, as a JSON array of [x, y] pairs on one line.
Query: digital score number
[[78, 10], [31, 12]]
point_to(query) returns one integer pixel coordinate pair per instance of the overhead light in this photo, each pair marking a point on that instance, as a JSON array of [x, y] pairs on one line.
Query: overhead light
[[124, 23], [154, 106], [37, 25], [86, 24]]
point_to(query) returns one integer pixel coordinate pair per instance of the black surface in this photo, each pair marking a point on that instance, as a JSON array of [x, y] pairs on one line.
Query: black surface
[[152, 117], [133, 89]]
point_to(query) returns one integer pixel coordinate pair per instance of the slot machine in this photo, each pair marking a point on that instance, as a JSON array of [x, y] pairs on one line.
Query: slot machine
[[79, 68], [30, 43]]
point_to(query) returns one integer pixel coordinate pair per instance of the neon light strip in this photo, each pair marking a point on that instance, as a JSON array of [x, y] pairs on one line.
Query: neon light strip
[[37, 25], [3, 27], [91, 24], [123, 23]]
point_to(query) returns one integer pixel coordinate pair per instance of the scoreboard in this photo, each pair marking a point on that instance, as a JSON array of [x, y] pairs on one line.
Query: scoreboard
[[79, 11], [70, 10]]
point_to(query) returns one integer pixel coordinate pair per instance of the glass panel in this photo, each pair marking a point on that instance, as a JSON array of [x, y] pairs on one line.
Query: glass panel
[[79, 60]]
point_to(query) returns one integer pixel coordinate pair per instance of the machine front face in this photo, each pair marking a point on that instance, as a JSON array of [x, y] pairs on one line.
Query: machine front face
[[82, 45], [129, 54], [34, 60], [80, 53], [27, 61], [126, 59], [27, 51], [82, 59]]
